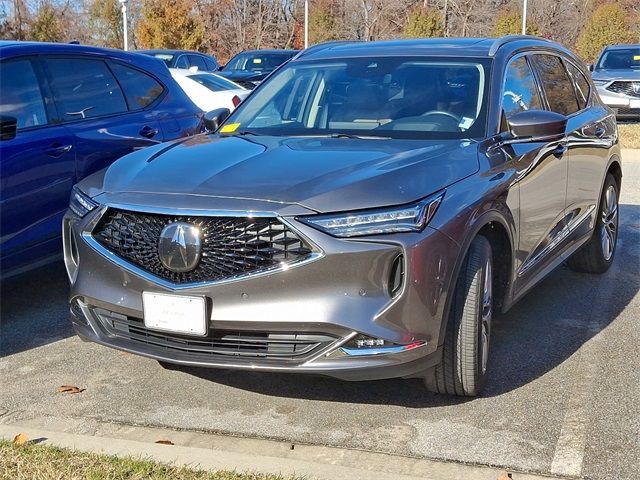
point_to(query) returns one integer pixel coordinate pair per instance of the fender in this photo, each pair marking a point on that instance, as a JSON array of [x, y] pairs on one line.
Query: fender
[[494, 212]]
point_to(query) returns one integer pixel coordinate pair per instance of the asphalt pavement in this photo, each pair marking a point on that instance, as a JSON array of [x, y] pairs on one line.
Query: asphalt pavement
[[563, 397]]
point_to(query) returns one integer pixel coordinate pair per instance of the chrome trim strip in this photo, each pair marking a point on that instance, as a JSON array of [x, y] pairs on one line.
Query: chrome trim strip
[[87, 236], [564, 233], [191, 212], [364, 352]]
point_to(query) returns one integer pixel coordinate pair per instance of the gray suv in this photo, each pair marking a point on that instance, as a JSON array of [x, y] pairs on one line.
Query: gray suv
[[616, 75], [363, 214]]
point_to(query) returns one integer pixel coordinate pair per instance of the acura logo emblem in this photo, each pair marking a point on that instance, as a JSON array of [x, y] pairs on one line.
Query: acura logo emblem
[[179, 247]]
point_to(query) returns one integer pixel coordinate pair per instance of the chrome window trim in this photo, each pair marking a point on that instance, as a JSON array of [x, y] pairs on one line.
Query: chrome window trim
[[87, 236]]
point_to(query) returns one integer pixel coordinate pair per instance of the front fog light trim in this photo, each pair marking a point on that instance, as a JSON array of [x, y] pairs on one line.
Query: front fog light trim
[[408, 218], [358, 345], [360, 352]]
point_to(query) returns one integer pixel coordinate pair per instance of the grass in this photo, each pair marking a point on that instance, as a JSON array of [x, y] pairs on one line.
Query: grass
[[629, 135], [42, 462]]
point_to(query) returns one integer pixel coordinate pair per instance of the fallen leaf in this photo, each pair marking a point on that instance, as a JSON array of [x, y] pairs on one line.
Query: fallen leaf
[[70, 389], [165, 442], [20, 439]]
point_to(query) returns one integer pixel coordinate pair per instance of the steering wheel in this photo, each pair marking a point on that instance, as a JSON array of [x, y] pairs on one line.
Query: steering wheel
[[444, 114]]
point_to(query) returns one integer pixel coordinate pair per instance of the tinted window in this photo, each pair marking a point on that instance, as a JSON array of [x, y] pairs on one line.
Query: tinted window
[[21, 97], [198, 61], [139, 88], [556, 83], [165, 57], [211, 65], [399, 97], [520, 89], [257, 61], [84, 88], [182, 62], [213, 82], [581, 83]]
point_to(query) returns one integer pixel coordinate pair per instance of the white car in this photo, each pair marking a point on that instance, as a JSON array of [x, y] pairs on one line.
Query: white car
[[209, 90]]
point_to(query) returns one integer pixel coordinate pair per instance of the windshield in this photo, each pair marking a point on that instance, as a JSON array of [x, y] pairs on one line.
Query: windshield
[[257, 62], [165, 57], [385, 97], [214, 83], [620, 58]]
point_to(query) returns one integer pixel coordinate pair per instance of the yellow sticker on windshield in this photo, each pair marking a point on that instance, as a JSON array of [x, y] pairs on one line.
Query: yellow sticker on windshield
[[636, 57], [257, 60], [229, 128]]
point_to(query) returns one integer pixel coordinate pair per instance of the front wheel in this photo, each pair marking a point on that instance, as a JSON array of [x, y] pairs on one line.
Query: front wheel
[[597, 255], [465, 355]]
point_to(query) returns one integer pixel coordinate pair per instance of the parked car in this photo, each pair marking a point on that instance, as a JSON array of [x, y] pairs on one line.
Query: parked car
[[616, 75], [251, 67], [68, 111], [363, 214], [184, 59], [208, 90]]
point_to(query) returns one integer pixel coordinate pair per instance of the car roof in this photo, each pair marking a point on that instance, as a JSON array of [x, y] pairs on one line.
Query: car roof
[[18, 48], [460, 47], [170, 50], [622, 46], [268, 51]]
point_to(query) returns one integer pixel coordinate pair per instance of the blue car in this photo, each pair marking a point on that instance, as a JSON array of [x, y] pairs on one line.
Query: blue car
[[67, 111]]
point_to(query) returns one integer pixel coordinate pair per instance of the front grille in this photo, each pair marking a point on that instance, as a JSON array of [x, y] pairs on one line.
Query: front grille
[[231, 246], [293, 346], [625, 88], [628, 111]]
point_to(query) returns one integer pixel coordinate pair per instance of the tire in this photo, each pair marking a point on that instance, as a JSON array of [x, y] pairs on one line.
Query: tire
[[597, 254], [463, 369]]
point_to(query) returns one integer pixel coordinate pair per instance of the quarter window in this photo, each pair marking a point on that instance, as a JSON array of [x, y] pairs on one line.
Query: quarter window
[[520, 90], [556, 83], [84, 88], [140, 89], [21, 96], [581, 83]]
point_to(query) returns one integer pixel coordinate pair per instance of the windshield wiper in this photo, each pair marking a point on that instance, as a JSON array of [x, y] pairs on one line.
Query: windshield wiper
[[242, 133], [340, 135]]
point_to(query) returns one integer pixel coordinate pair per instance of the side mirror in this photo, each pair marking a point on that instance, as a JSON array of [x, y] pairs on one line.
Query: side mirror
[[537, 124], [214, 118], [8, 127]]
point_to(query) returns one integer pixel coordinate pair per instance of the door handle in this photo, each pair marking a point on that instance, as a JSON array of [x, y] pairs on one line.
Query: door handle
[[560, 150], [57, 150], [148, 132]]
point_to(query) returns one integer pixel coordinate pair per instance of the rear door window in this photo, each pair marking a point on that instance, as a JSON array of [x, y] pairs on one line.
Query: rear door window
[[198, 61], [211, 65], [140, 89], [520, 90], [182, 62], [84, 88], [581, 83], [557, 85], [21, 96]]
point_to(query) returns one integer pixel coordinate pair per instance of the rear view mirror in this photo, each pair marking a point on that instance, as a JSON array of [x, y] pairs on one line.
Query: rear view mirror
[[214, 118], [537, 124], [8, 127]]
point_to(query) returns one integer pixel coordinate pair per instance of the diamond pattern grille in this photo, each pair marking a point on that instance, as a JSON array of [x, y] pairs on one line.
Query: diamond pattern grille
[[231, 246], [626, 88]]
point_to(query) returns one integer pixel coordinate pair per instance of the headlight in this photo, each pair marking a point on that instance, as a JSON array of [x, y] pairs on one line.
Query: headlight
[[406, 218], [599, 83], [80, 204]]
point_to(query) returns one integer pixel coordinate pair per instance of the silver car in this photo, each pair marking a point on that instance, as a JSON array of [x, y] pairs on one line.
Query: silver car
[[616, 75]]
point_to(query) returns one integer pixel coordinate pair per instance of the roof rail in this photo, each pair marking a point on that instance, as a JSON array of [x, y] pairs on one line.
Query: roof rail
[[499, 42], [321, 46]]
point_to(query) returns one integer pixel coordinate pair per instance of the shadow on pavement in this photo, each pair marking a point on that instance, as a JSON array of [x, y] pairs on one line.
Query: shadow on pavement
[[34, 309]]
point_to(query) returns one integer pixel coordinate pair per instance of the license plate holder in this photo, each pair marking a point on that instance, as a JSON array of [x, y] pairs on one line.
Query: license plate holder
[[175, 313]]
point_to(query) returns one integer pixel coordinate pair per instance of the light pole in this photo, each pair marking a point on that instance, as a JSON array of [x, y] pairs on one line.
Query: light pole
[[524, 18], [124, 23], [306, 23]]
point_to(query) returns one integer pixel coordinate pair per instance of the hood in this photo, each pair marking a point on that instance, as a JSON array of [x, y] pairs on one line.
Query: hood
[[617, 74], [320, 174]]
